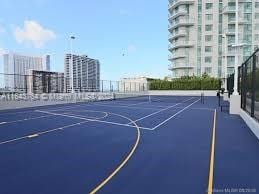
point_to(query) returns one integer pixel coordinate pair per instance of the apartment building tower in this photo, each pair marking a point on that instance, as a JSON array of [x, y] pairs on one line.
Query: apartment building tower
[[16, 68], [39, 82], [84, 75], [202, 35]]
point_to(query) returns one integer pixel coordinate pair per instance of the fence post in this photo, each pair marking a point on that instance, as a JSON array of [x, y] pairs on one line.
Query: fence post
[[253, 85], [102, 85], [26, 87], [245, 84]]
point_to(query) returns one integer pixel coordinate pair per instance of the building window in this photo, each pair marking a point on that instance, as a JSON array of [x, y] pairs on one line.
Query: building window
[[208, 6], [256, 15], [208, 59], [231, 17], [208, 49], [208, 70], [256, 26], [256, 4], [257, 37], [209, 16], [208, 38], [208, 28], [231, 61]]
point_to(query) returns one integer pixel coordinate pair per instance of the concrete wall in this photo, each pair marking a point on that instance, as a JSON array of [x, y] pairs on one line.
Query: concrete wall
[[252, 123]]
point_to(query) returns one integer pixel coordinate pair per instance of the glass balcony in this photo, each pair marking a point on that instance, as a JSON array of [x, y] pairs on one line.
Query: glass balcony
[[181, 22], [180, 44], [176, 55], [174, 3], [174, 35], [180, 65], [176, 14], [229, 9]]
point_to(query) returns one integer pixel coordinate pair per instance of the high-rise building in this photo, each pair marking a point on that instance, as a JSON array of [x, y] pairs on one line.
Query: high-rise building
[[85, 73], [16, 68], [39, 82], [202, 35]]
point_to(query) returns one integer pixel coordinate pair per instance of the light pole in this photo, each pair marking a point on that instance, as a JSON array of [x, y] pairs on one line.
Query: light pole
[[224, 36], [236, 54], [71, 38]]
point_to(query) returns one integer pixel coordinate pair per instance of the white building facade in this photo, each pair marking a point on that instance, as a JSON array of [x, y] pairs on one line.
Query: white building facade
[[202, 35], [16, 68], [84, 74]]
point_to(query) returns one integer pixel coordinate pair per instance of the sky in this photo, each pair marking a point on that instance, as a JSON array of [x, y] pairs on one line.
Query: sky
[[128, 37]]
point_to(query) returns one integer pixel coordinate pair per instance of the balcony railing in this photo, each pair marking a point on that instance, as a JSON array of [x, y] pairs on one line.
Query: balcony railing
[[179, 44], [173, 35], [177, 13], [173, 3], [181, 22], [176, 55], [180, 65]]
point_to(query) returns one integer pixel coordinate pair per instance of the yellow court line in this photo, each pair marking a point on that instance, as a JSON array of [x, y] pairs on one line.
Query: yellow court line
[[124, 161], [212, 155]]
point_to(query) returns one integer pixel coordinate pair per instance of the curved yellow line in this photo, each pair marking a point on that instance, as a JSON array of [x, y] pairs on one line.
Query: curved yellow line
[[124, 161]]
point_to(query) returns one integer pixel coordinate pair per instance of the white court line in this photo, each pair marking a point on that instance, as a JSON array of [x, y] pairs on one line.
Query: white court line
[[211, 109], [174, 115], [137, 104], [160, 111], [94, 120], [27, 119], [41, 133], [106, 105]]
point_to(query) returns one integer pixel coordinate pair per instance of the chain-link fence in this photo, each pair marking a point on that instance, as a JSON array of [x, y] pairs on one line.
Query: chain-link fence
[[57, 83], [249, 85]]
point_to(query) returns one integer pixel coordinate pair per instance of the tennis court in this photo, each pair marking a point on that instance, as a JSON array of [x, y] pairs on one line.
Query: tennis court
[[143, 144]]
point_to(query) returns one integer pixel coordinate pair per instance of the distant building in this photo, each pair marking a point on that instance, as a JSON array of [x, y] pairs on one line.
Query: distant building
[[86, 73], [16, 67], [133, 84], [39, 82], [202, 35]]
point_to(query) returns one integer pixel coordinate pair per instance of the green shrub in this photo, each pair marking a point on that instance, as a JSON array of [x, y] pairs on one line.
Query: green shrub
[[187, 83]]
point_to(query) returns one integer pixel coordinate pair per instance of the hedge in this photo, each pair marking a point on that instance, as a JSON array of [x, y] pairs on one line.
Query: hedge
[[186, 83]]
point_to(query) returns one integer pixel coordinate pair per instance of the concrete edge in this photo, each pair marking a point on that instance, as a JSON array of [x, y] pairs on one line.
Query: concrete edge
[[251, 122]]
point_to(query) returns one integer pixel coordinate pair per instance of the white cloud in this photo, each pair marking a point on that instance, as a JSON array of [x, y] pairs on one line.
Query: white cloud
[[33, 33]]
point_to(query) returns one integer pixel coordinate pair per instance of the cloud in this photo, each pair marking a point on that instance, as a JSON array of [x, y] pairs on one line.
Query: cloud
[[33, 33]]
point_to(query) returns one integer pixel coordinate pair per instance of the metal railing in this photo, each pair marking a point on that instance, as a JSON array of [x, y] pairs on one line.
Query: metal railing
[[39, 84], [249, 85]]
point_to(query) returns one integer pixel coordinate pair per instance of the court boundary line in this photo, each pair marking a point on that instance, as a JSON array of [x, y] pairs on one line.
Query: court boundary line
[[94, 120], [115, 106], [26, 119], [212, 155], [161, 110], [124, 162], [50, 130], [174, 115], [32, 135]]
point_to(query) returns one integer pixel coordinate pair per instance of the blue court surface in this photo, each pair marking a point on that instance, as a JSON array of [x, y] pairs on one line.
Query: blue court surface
[[174, 145]]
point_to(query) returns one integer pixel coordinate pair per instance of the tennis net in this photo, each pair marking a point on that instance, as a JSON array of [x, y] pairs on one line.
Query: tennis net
[[146, 97]]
